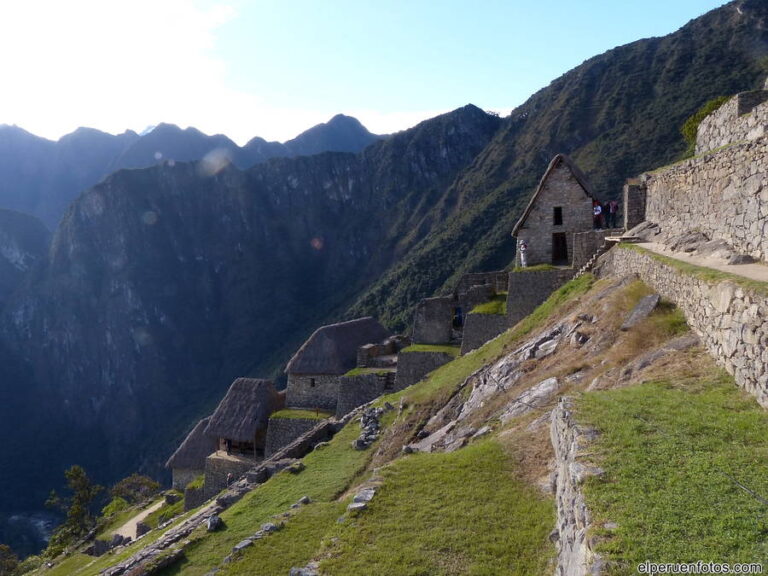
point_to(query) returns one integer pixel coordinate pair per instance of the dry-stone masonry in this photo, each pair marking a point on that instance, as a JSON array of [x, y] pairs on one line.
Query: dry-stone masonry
[[432, 321], [575, 555], [480, 328], [743, 117], [729, 318], [283, 431], [355, 391], [723, 194], [529, 288], [413, 366]]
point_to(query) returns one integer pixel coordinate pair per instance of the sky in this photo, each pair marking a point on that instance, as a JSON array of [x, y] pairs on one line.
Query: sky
[[273, 68]]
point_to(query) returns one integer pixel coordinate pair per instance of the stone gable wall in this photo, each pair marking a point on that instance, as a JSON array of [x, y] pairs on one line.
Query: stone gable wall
[[744, 117], [301, 394], [560, 189], [433, 319], [724, 195], [729, 319], [480, 328], [528, 289], [283, 431]]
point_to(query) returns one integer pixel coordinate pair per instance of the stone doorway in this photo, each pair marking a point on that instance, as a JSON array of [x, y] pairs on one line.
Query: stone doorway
[[559, 248]]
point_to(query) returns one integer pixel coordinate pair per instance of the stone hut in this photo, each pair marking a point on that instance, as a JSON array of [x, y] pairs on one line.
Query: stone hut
[[560, 207], [239, 422], [188, 462], [331, 352]]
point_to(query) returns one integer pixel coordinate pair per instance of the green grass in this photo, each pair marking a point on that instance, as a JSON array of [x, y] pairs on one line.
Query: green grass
[[301, 414], [708, 275], [361, 371], [497, 305], [197, 483], [293, 546], [445, 348], [456, 513], [328, 474], [668, 452], [534, 268], [164, 513]]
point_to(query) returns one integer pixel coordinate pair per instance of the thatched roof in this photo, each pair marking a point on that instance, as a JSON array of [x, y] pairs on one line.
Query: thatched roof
[[332, 349], [244, 410], [554, 164], [192, 452]]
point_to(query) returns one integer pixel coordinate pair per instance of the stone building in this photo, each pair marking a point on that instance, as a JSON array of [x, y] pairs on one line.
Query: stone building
[[331, 351], [560, 207], [188, 462], [239, 425]]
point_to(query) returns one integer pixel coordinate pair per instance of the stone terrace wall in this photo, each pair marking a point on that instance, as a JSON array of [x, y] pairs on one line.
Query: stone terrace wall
[[355, 391], [413, 366], [480, 328], [743, 117], [497, 279], [729, 319], [585, 244], [724, 195], [283, 431], [528, 289], [216, 470]]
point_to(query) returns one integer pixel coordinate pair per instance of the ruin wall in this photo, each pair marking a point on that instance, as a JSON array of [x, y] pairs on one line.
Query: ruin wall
[[724, 195], [728, 318]]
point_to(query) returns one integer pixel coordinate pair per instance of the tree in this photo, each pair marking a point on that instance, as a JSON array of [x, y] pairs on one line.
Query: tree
[[8, 561], [77, 507], [135, 488]]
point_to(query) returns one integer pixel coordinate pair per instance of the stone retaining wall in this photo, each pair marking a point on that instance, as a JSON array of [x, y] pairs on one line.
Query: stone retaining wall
[[743, 117], [355, 391], [432, 322], [723, 194], [528, 289], [283, 431], [216, 470], [575, 556], [413, 366], [480, 328], [729, 319]]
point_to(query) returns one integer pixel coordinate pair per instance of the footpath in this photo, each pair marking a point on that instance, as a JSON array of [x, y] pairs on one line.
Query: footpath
[[755, 271], [129, 528]]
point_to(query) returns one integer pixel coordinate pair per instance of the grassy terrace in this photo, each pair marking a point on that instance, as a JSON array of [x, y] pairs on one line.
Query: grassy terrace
[[679, 459], [460, 513], [708, 275], [452, 350], [361, 371], [497, 305], [299, 413]]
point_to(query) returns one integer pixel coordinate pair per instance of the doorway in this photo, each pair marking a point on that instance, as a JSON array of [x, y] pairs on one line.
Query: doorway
[[559, 248]]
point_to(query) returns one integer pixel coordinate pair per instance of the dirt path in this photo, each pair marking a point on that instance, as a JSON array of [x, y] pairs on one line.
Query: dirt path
[[129, 528], [752, 271]]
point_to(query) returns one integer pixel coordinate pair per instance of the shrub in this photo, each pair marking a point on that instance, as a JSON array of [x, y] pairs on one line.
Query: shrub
[[691, 125]]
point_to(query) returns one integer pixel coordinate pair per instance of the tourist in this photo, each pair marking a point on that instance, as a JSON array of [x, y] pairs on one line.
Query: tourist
[[597, 212], [523, 247], [613, 209]]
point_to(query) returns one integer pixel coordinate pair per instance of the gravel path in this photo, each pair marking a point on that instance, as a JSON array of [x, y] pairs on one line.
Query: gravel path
[[129, 528]]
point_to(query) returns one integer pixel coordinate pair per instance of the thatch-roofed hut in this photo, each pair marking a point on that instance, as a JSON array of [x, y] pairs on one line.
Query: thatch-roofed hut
[[331, 351], [188, 462], [240, 420]]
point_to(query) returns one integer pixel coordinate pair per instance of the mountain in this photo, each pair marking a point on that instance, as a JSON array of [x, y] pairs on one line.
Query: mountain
[[616, 115], [163, 284], [23, 243], [340, 134], [41, 177]]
